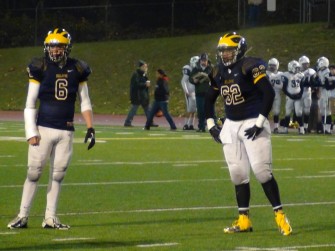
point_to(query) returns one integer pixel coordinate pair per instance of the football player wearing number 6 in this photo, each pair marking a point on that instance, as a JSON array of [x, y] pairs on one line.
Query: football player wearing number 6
[[245, 135], [56, 80]]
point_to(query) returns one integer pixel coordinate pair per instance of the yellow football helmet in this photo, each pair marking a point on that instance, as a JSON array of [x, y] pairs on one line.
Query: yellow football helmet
[[232, 42], [57, 38]]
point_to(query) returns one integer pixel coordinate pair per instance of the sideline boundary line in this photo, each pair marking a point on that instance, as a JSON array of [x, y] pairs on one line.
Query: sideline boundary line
[[180, 209]]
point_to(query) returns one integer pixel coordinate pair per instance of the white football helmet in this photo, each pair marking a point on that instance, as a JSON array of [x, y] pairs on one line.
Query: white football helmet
[[193, 61], [304, 62], [273, 65], [322, 63], [293, 66]]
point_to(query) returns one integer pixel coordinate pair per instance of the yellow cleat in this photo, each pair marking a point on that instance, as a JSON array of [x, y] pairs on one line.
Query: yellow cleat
[[283, 223], [242, 224]]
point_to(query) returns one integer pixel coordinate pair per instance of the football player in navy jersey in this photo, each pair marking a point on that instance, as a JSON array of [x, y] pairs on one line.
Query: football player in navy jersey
[[245, 135], [55, 80]]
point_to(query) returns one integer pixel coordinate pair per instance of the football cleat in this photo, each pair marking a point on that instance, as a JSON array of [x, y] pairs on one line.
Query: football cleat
[[276, 130], [242, 224], [283, 223], [18, 222], [53, 222], [185, 127], [191, 127]]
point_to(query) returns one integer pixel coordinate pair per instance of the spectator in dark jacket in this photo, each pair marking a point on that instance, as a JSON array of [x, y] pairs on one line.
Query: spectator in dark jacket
[[139, 92], [199, 77], [161, 100]]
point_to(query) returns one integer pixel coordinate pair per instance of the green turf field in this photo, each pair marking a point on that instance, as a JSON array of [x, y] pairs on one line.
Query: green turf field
[[163, 190]]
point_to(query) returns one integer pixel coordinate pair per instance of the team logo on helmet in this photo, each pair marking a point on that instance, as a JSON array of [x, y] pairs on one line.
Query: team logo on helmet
[[57, 38], [234, 43]]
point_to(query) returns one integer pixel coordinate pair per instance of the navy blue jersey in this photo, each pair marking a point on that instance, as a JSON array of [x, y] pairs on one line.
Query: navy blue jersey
[[237, 84], [58, 90]]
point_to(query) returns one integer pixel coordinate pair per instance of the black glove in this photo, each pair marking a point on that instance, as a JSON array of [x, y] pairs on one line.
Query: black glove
[[253, 132], [215, 132], [90, 134]]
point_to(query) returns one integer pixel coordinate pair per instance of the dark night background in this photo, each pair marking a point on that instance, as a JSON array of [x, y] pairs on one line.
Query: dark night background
[[26, 22]]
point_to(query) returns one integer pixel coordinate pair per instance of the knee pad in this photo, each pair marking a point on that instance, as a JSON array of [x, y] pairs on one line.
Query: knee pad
[[58, 176], [238, 178], [263, 173], [34, 174]]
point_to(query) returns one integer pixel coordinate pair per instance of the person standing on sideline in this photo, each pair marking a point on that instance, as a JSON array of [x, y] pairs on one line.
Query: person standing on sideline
[[161, 100], [275, 78], [189, 92], [293, 89], [254, 9], [309, 73], [139, 92], [199, 77], [55, 80], [246, 135], [322, 66]]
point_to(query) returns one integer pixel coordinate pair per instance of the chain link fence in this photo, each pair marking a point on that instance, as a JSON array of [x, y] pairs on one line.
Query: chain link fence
[[28, 26]]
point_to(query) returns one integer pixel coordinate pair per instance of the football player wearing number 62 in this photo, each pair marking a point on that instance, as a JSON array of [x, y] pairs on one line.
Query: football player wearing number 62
[[56, 80], [246, 136]]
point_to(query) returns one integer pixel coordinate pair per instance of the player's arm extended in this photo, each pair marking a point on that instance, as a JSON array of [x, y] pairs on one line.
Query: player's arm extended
[[85, 104], [30, 113], [86, 111], [210, 99], [184, 81], [268, 92]]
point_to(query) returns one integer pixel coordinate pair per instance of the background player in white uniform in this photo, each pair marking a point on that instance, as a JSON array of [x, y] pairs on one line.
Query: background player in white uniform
[[293, 91], [275, 78], [307, 90], [189, 91], [322, 65], [55, 80], [245, 135]]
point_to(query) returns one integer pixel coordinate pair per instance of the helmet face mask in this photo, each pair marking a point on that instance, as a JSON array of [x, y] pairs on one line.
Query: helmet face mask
[[231, 48], [57, 45]]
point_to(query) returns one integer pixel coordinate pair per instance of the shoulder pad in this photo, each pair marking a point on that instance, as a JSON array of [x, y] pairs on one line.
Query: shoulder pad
[[83, 69], [186, 70], [254, 66], [36, 68], [250, 63]]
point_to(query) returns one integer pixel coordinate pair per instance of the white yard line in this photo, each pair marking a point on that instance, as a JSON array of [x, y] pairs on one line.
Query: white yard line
[[73, 239], [288, 248], [8, 233], [168, 244], [181, 209]]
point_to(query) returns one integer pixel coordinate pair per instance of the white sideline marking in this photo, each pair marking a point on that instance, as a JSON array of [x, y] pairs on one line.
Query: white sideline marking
[[158, 245], [123, 183], [315, 176], [7, 156], [73, 239], [8, 233], [295, 140], [285, 248], [182, 165], [7, 138], [181, 209]]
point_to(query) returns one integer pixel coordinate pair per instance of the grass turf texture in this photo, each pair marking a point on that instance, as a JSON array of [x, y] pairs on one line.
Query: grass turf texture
[[113, 62], [163, 190]]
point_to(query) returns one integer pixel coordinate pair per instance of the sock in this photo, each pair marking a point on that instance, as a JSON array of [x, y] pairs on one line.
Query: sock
[[243, 197], [272, 193]]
